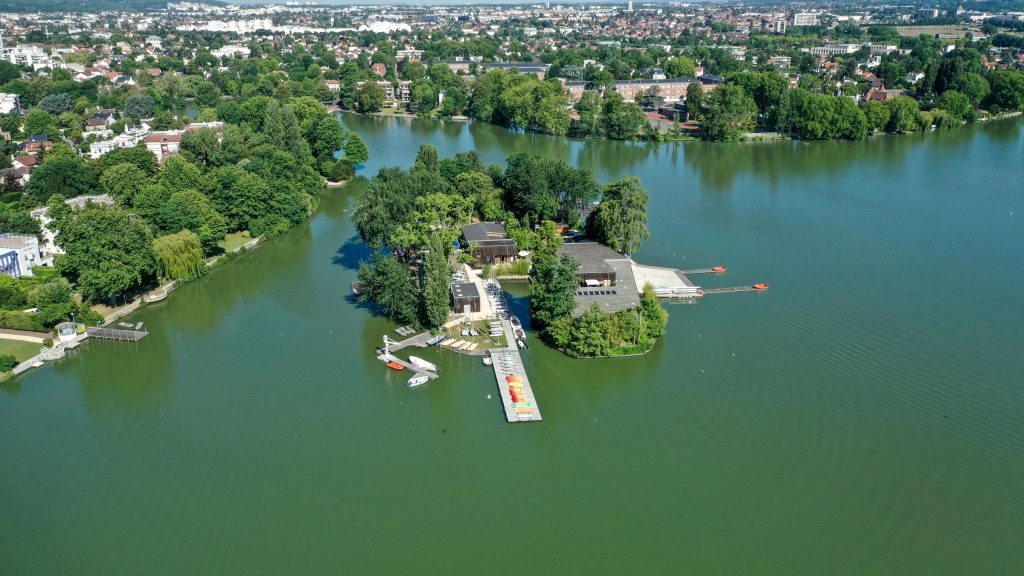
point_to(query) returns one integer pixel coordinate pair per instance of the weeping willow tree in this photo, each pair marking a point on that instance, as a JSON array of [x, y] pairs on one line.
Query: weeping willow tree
[[179, 256]]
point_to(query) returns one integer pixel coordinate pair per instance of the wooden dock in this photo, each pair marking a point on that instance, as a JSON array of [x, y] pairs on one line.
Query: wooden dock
[[115, 334], [733, 289], [702, 271], [408, 365], [508, 362]]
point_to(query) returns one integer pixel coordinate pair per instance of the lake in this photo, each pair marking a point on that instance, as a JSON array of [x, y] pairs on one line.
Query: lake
[[863, 416]]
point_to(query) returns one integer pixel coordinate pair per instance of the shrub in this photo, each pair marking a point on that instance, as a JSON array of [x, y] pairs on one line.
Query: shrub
[[7, 363]]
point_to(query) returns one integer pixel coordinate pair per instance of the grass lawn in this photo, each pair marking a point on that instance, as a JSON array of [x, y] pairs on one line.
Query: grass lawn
[[484, 339], [234, 241], [21, 350]]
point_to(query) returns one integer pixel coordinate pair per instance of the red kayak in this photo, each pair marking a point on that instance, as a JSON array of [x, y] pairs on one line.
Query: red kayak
[[395, 366]]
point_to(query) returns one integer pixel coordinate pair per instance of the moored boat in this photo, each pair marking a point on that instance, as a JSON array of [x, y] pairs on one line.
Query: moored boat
[[417, 380], [395, 366], [421, 363], [437, 339]]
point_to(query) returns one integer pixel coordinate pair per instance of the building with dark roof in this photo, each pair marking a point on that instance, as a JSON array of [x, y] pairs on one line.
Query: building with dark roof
[[465, 298], [489, 243], [605, 277]]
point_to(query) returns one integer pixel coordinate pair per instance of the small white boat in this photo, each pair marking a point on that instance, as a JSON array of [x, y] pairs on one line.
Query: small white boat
[[421, 363], [417, 380], [487, 361]]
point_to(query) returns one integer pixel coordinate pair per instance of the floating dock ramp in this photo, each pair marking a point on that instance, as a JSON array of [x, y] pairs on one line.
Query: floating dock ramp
[[408, 365], [510, 373]]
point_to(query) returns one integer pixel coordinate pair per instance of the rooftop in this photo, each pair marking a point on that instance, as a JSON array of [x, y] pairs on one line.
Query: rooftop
[[465, 290], [484, 232], [592, 256]]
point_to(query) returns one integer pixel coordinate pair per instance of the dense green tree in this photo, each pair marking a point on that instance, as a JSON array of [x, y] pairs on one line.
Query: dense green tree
[[12, 295], [137, 155], [123, 182], [56, 104], [139, 107], [679, 66], [694, 100], [972, 85], [620, 119], [356, 150], [108, 252], [589, 110], [620, 220], [436, 277], [179, 256], [1007, 90], [69, 176], [244, 200], [199, 147], [553, 285], [191, 210], [727, 113], [207, 94], [38, 121], [178, 174], [329, 137], [876, 114], [387, 283], [904, 115], [370, 97], [957, 105], [8, 72]]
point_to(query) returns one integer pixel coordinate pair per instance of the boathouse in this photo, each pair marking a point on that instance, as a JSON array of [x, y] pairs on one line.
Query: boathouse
[[605, 277], [489, 243]]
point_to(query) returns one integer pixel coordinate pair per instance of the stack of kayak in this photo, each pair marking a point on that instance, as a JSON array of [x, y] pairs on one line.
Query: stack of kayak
[[520, 403]]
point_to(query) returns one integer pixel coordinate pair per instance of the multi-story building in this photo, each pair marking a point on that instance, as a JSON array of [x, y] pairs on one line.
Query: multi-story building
[[671, 89], [805, 19], [18, 254], [9, 103]]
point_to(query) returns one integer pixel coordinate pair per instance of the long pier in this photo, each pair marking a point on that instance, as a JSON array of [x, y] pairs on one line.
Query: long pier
[[408, 365], [115, 334], [507, 363]]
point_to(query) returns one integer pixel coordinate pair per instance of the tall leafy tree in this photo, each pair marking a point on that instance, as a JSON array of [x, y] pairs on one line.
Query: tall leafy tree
[[436, 275], [179, 256], [109, 252], [123, 182], [387, 283], [553, 289], [727, 113], [191, 210], [177, 174], [356, 150], [620, 220], [69, 176]]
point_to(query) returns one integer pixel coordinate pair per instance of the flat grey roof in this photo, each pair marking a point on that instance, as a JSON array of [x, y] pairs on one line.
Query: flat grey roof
[[592, 256], [622, 296], [465, 290]]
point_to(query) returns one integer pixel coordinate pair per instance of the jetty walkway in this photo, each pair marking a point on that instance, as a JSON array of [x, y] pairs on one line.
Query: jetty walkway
[[510, 373]]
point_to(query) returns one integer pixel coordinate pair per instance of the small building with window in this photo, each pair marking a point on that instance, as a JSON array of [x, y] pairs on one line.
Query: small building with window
[[489, 243]]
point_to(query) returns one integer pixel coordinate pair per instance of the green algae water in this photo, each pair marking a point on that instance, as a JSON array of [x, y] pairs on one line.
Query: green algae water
[[864, 416]]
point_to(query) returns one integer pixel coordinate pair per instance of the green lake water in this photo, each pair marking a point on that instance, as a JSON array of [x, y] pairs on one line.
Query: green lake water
[[864, 416]]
